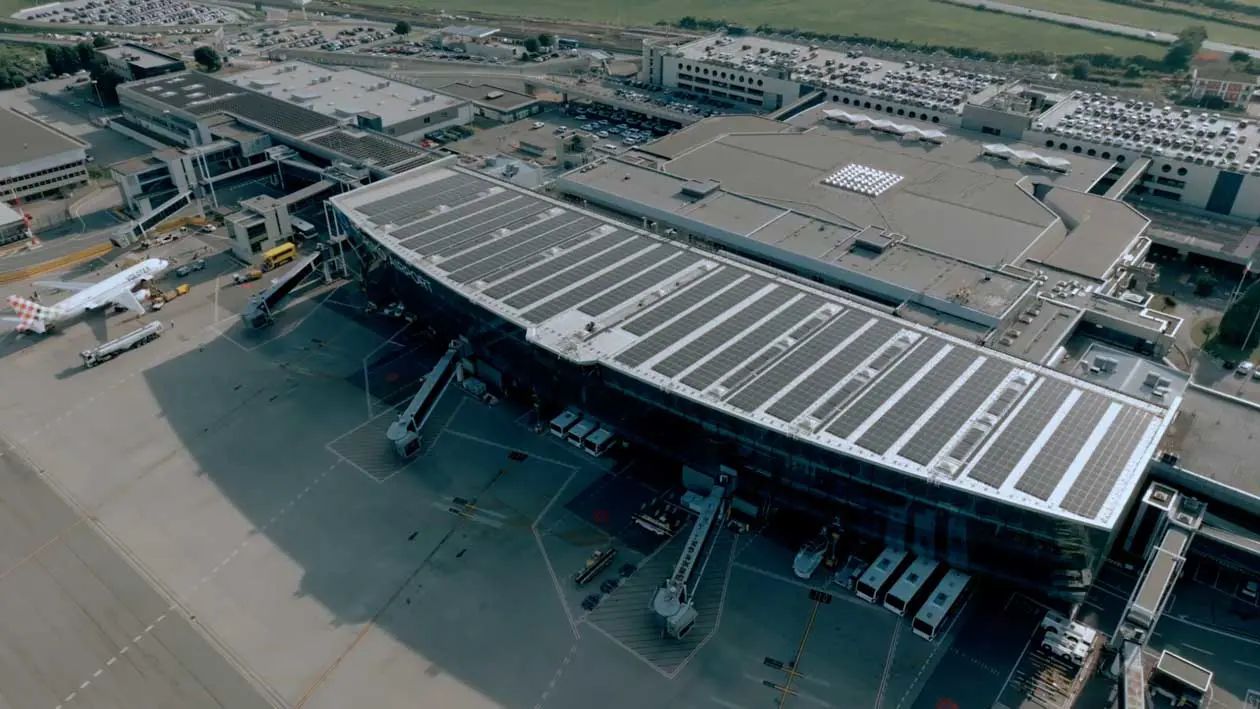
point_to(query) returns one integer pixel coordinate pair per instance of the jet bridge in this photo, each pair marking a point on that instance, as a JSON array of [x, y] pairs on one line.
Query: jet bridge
[[672, 602], [261, 309], [404, 432]]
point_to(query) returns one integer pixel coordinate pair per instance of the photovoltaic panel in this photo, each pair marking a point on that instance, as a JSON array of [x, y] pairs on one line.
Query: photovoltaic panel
[[437, 189], [681, 300], [802, 357], [527, 279], [1056, 456], [840, 365], [523, 238], [634, 286], [425, 207], [710, 341], [740, 350], [898, 419], [997, 463], [600, 283], [577, 270], [884, 388], [430, 236], [496, 256], [707, 312], [1088, 494], [942, 426]]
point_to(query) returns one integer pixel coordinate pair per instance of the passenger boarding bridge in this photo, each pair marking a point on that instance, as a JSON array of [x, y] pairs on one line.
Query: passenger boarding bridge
[[261, 309], [672, 602]]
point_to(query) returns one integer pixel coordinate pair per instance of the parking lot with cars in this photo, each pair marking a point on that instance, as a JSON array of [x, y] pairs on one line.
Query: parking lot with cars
[[130, 12]]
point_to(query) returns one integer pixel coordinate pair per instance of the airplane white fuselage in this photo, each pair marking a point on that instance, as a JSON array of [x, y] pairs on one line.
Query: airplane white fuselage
[[103, 293], [117, 289]]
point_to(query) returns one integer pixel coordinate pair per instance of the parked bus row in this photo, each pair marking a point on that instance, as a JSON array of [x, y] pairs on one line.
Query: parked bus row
[[583, 432], [919, 588]]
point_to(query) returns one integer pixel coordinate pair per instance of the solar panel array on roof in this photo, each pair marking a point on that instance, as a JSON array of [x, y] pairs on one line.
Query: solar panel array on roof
[[1090, 491], [901, 416], [742, 349], [372, 148], [740, 340], [937, 430], [996, 465]]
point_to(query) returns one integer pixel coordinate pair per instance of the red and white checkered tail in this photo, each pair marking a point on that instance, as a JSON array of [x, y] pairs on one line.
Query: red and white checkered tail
[[32, 316]]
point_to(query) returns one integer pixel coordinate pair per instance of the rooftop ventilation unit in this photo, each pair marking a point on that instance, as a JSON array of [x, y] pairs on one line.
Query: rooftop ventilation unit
[[863, 180], [699, 189]]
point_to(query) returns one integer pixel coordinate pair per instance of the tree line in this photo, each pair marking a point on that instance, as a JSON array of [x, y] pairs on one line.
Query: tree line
[[64, 59]]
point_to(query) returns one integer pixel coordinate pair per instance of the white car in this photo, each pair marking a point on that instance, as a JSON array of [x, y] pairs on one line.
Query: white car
[[539, 124], [1244, 368]]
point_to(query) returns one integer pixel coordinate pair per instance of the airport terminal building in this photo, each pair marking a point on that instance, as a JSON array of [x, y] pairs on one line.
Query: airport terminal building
[[906, 433]]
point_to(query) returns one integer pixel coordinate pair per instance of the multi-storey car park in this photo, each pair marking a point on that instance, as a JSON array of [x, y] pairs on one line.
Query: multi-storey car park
[[916, 436], [1165, 157]]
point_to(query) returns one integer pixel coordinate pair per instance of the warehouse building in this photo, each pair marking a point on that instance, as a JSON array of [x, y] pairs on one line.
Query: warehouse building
[[908, 434], [1189, 162], [396, 109], [992, 241], [135, 61], [37, 160]]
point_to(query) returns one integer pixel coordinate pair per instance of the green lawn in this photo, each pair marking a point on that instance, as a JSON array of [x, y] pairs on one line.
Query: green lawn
[[1146, 19], [906, 20]]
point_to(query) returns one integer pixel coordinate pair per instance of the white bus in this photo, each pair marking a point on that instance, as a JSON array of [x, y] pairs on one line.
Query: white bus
[[945, 598], [302, 228], [910, 587], [561, 424], [599, 442], [580, 431], [875, 582]]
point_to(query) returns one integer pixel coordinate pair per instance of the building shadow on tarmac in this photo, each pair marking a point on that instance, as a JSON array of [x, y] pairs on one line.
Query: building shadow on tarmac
[[255, 411]]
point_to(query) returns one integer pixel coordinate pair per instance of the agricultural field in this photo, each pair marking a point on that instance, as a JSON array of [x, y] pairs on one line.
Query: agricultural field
[[923, 21], [1104, 11]]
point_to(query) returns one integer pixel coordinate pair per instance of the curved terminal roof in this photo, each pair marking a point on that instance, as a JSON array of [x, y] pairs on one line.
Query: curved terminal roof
[[751, 343]]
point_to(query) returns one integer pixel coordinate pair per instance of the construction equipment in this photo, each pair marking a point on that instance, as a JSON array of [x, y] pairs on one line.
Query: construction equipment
[[115, 347], [261, 309]]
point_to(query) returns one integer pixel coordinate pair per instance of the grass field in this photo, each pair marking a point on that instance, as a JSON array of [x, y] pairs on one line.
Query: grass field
[[1145, 19], [906, 20]]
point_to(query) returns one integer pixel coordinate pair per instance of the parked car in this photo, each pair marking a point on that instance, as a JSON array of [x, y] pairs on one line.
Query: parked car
[[190, 267]]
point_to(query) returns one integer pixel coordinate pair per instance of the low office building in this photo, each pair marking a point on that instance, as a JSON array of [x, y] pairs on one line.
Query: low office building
[[135, 61], [369, 101], [37, 160], [215, 131], [12, 225], [905, 434], [496, 103]]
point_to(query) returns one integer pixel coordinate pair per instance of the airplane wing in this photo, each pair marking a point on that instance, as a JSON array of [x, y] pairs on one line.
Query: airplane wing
[[73, 286], [127, 299]]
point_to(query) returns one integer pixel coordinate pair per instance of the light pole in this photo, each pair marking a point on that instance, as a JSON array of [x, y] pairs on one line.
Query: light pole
[[97, 90]]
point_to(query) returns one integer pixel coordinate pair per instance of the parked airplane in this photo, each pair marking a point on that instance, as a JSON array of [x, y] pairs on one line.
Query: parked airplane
[[119, 289]]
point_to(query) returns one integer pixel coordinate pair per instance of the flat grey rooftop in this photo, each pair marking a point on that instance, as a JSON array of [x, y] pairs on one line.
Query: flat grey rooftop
[[748, 343], [1214, 436], [26, 140], [489, 95], [343, 92], [139, 55], [949, 198], [204, 95]]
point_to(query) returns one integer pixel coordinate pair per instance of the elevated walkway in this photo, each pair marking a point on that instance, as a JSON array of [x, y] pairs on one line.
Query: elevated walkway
[[1132, 677], [261, 307], [1128, 179], [313, 190], [1230, 535], [1161, 572], [404, 433]]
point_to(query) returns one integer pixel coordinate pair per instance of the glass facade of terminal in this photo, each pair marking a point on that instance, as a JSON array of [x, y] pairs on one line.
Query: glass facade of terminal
[[1044, 554]]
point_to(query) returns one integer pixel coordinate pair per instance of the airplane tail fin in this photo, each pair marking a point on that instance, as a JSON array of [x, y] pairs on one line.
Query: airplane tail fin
[[31, 316]]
